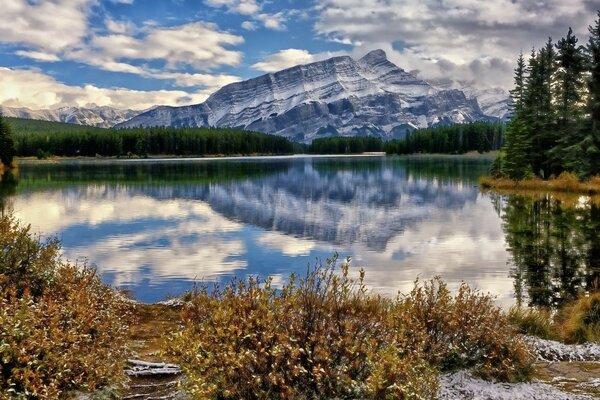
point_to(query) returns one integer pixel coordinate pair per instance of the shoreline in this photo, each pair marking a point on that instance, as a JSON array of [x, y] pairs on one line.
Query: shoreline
[[566, 183], [172, 158]]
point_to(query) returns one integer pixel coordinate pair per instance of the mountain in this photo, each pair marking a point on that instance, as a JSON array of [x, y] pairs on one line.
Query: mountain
[[494, 102], [104, 117], [338, 96]]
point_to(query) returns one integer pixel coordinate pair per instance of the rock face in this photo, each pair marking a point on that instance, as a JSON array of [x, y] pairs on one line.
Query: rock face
[[336, 97], [104, 117]]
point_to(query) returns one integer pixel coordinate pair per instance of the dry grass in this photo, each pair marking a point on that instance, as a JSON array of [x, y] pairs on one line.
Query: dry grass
[[534, 322], [579, 322], [566, 182]]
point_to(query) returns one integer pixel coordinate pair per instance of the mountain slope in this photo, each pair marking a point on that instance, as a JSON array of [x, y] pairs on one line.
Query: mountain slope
[[103, 117], [338, 96]]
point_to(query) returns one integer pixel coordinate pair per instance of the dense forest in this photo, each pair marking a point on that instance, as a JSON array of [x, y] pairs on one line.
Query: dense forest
[[556, 108], [41, 139], [346, 145], [452, 139]]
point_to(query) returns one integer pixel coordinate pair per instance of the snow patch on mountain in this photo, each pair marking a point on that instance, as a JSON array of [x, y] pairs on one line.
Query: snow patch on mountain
[[104, 117], [335, 97]]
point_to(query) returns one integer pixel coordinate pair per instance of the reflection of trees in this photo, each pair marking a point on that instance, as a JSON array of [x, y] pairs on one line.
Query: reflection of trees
[[555, 248], [8, 187]]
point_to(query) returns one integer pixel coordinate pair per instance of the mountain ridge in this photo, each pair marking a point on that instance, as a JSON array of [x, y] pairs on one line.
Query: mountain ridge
[[98, 116], [339, 96]]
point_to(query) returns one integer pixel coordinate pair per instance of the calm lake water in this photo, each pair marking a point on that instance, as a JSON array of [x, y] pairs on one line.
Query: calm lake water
[[154, 228]]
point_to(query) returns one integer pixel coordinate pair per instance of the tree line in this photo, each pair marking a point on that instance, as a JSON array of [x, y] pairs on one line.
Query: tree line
[[556, 111], [145, 141], [451, 139], [346, 145]]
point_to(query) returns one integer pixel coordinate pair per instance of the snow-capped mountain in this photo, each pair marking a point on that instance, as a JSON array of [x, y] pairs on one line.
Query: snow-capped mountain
[[494, 102], [104, 117], [338, 96]]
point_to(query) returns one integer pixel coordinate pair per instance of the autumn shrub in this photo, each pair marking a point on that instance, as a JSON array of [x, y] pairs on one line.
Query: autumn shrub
[[566, 181], [324, 336], [465, 330], [60, 328], [579, 321], [534, 321]]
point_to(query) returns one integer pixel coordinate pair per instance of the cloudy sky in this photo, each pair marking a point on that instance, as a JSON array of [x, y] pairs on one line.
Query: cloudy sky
[[139, 53]]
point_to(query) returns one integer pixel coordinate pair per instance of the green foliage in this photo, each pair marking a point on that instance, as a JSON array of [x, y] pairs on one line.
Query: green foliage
[[60, 328], [555, 125], [44, 138], [453, 139], [326, 336], [345, 145], [7, 145]]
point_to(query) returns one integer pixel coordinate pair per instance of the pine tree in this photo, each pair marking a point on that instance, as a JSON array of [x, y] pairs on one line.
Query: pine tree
[[568, 153], [516, 161], [591, 140], [518, 93], [7, 144]]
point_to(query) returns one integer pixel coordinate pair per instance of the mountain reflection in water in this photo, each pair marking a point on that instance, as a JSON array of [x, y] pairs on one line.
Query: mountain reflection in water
[[155, 228]]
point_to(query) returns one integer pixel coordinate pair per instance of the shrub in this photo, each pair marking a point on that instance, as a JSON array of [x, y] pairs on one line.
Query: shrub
[[580, 320], [326, 336], [566, 181], [533, 321], [465, 331], [60, 327]]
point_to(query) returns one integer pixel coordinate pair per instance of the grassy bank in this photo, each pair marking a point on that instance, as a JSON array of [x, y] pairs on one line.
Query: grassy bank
[[566, 182]]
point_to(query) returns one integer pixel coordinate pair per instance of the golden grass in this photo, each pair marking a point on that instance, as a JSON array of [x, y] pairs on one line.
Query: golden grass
[[566, 182], [579, 322]]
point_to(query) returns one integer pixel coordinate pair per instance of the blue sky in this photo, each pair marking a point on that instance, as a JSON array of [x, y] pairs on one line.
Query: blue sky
[[138, 53]]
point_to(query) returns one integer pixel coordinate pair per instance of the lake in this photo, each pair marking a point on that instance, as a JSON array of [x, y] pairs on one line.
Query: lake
[[154, 228]]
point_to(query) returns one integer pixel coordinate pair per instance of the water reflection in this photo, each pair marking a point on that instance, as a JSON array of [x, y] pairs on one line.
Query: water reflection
[[554, 246], [155, 228]]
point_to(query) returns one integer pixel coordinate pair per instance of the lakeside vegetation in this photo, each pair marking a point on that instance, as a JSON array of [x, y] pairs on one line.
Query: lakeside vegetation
[[556, 106], [61, 329], [453, 139]]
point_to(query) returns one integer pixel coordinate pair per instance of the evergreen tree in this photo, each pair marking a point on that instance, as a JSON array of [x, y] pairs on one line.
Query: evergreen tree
[[7, 145], [515, 163], [590, 142], [570, 94], [518, 93]]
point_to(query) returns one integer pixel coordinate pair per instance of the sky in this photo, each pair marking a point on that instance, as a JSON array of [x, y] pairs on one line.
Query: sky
[[134, 54]]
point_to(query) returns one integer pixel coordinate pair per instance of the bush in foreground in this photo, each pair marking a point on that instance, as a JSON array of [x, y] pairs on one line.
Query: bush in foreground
[[327, 336], [60, 328]]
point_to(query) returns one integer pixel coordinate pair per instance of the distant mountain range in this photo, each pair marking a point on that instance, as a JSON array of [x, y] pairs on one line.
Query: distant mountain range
[[335, 97], [104, 117], [339, 96]]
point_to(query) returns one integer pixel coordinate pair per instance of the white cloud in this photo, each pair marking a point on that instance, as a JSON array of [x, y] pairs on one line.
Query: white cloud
[[284, 59], [57, 30], [38, 55], [290, 57], [249, 25], [33, 89], [454, 36], [244, 7], [200, 45], [47, 26], [252, 9]]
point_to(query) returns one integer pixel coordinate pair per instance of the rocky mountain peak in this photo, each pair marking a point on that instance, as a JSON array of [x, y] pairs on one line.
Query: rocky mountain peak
[[339, 96], [374, 57]]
